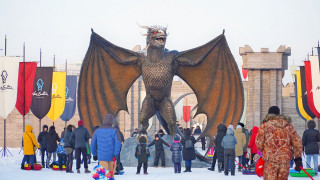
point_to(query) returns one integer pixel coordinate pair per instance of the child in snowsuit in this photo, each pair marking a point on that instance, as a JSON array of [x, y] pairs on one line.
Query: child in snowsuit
[[176, 149], [62, 157], [229, 144], [142, 154], [158, 142]]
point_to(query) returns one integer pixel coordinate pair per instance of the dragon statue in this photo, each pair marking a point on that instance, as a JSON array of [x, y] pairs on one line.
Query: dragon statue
[[108, 71]]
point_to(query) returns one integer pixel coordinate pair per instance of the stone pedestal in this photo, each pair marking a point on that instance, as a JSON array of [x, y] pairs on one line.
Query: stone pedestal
[[128, 158]]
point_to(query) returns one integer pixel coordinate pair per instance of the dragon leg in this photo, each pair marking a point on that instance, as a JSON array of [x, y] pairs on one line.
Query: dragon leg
[[168, 113], [147, 111]]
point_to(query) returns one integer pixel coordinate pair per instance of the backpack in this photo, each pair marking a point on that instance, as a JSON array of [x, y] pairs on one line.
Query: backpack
[[143, 151], [189, 144]]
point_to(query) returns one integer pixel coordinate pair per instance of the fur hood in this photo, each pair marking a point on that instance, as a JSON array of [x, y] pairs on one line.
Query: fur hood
[[280, 120]]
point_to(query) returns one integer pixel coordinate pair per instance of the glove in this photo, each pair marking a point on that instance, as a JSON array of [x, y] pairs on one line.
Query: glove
[[136, 157], [149, 157], [95, 158], [298, 162]]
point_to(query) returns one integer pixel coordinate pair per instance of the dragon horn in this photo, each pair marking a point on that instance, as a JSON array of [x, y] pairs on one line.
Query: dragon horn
[[145, 27]]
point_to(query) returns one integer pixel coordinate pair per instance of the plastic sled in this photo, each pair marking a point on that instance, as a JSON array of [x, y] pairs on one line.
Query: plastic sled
[[27, 166], [56, 167], [249, 171], [37, 166], [294, 173]]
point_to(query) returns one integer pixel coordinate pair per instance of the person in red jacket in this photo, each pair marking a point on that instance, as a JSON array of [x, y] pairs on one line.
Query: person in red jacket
[[252, 144]]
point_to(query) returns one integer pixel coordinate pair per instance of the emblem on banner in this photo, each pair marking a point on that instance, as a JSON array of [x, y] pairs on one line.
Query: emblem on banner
[[69, 99], [40, 84], [4, 76], [54, 91]]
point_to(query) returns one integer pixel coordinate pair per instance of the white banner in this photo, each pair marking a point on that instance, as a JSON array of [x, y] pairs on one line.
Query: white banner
[[315, 73], [9, 69]]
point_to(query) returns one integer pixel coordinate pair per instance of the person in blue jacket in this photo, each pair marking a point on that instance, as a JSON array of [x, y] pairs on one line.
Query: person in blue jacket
[[105, 145], [176, 148], [229, 144]]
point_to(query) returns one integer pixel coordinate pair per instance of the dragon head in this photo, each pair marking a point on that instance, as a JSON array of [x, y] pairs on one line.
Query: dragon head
[[156, 35]]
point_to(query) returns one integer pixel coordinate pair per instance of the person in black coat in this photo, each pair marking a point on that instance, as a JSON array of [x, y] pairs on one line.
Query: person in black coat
[[69, 147], [142, 154], [42, 139], [158, 142], [176, 148], [218, 149], [52, 138], [188, 152], [310, 140]]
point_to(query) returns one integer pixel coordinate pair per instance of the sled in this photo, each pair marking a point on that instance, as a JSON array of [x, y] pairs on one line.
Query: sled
[[37, 166], [27, 166], [56, 167], [249, 171], [294, 173]]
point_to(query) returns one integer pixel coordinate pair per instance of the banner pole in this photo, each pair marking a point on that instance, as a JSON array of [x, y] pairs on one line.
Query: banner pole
[[24, 58], [5, 46], [40, 56], [4, 138], [39, 126]]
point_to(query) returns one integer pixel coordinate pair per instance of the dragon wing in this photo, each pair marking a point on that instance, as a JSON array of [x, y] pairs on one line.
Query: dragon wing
[[213, 75], [107, 73]]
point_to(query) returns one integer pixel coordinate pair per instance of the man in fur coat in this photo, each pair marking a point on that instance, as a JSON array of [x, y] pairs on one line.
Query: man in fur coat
[[278, 141]]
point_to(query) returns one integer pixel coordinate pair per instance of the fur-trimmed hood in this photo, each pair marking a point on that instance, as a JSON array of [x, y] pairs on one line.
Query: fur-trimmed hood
[[277, 120]]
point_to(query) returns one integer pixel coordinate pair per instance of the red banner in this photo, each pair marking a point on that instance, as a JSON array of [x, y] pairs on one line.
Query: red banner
[[307, 65], [25, 86], [186, 113], [244, 73]]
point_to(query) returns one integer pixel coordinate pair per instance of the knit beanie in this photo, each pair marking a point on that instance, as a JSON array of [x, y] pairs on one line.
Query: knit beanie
[[274, 110], [239, 126], [80, 123]]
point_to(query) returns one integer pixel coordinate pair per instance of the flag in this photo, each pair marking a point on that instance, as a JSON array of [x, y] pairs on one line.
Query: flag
[[315, 73], [41, 96], [303, 90], [27, 72], [9, 69], [71, 91], [244, 73], [57, 95], [307, 65], [186, 113], [299, 106]]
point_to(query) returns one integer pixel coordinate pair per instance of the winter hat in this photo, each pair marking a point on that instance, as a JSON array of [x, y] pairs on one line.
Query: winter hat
[[142, 139], [311, 124], [187, 132], [239, 127], [44, 126], [157, 135], [274, 110], [230, 126], [160, 131], [69, 127], [108, 119], [80, 123], [230, 131], [176, 137], [242, 125]]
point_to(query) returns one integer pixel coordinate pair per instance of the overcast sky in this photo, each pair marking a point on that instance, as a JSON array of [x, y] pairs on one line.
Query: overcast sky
[[62, 27]]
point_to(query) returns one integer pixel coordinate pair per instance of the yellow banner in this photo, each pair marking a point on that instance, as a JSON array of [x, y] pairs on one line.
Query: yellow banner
[[299, 97], [58, 95]]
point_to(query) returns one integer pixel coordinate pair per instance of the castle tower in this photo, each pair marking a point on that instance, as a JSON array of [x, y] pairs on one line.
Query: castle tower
[[264, 86]]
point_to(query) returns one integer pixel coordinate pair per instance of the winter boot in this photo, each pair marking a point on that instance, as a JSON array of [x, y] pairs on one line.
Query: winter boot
[[219, 167], [189, 169], [211, 168], [22, 166], [78, 171], [87, 171]]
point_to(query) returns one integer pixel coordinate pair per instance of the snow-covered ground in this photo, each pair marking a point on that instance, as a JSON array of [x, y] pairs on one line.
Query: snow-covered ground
[[10, 170]]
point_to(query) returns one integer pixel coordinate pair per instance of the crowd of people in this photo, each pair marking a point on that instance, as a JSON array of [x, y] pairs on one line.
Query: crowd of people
[[276, 141]]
